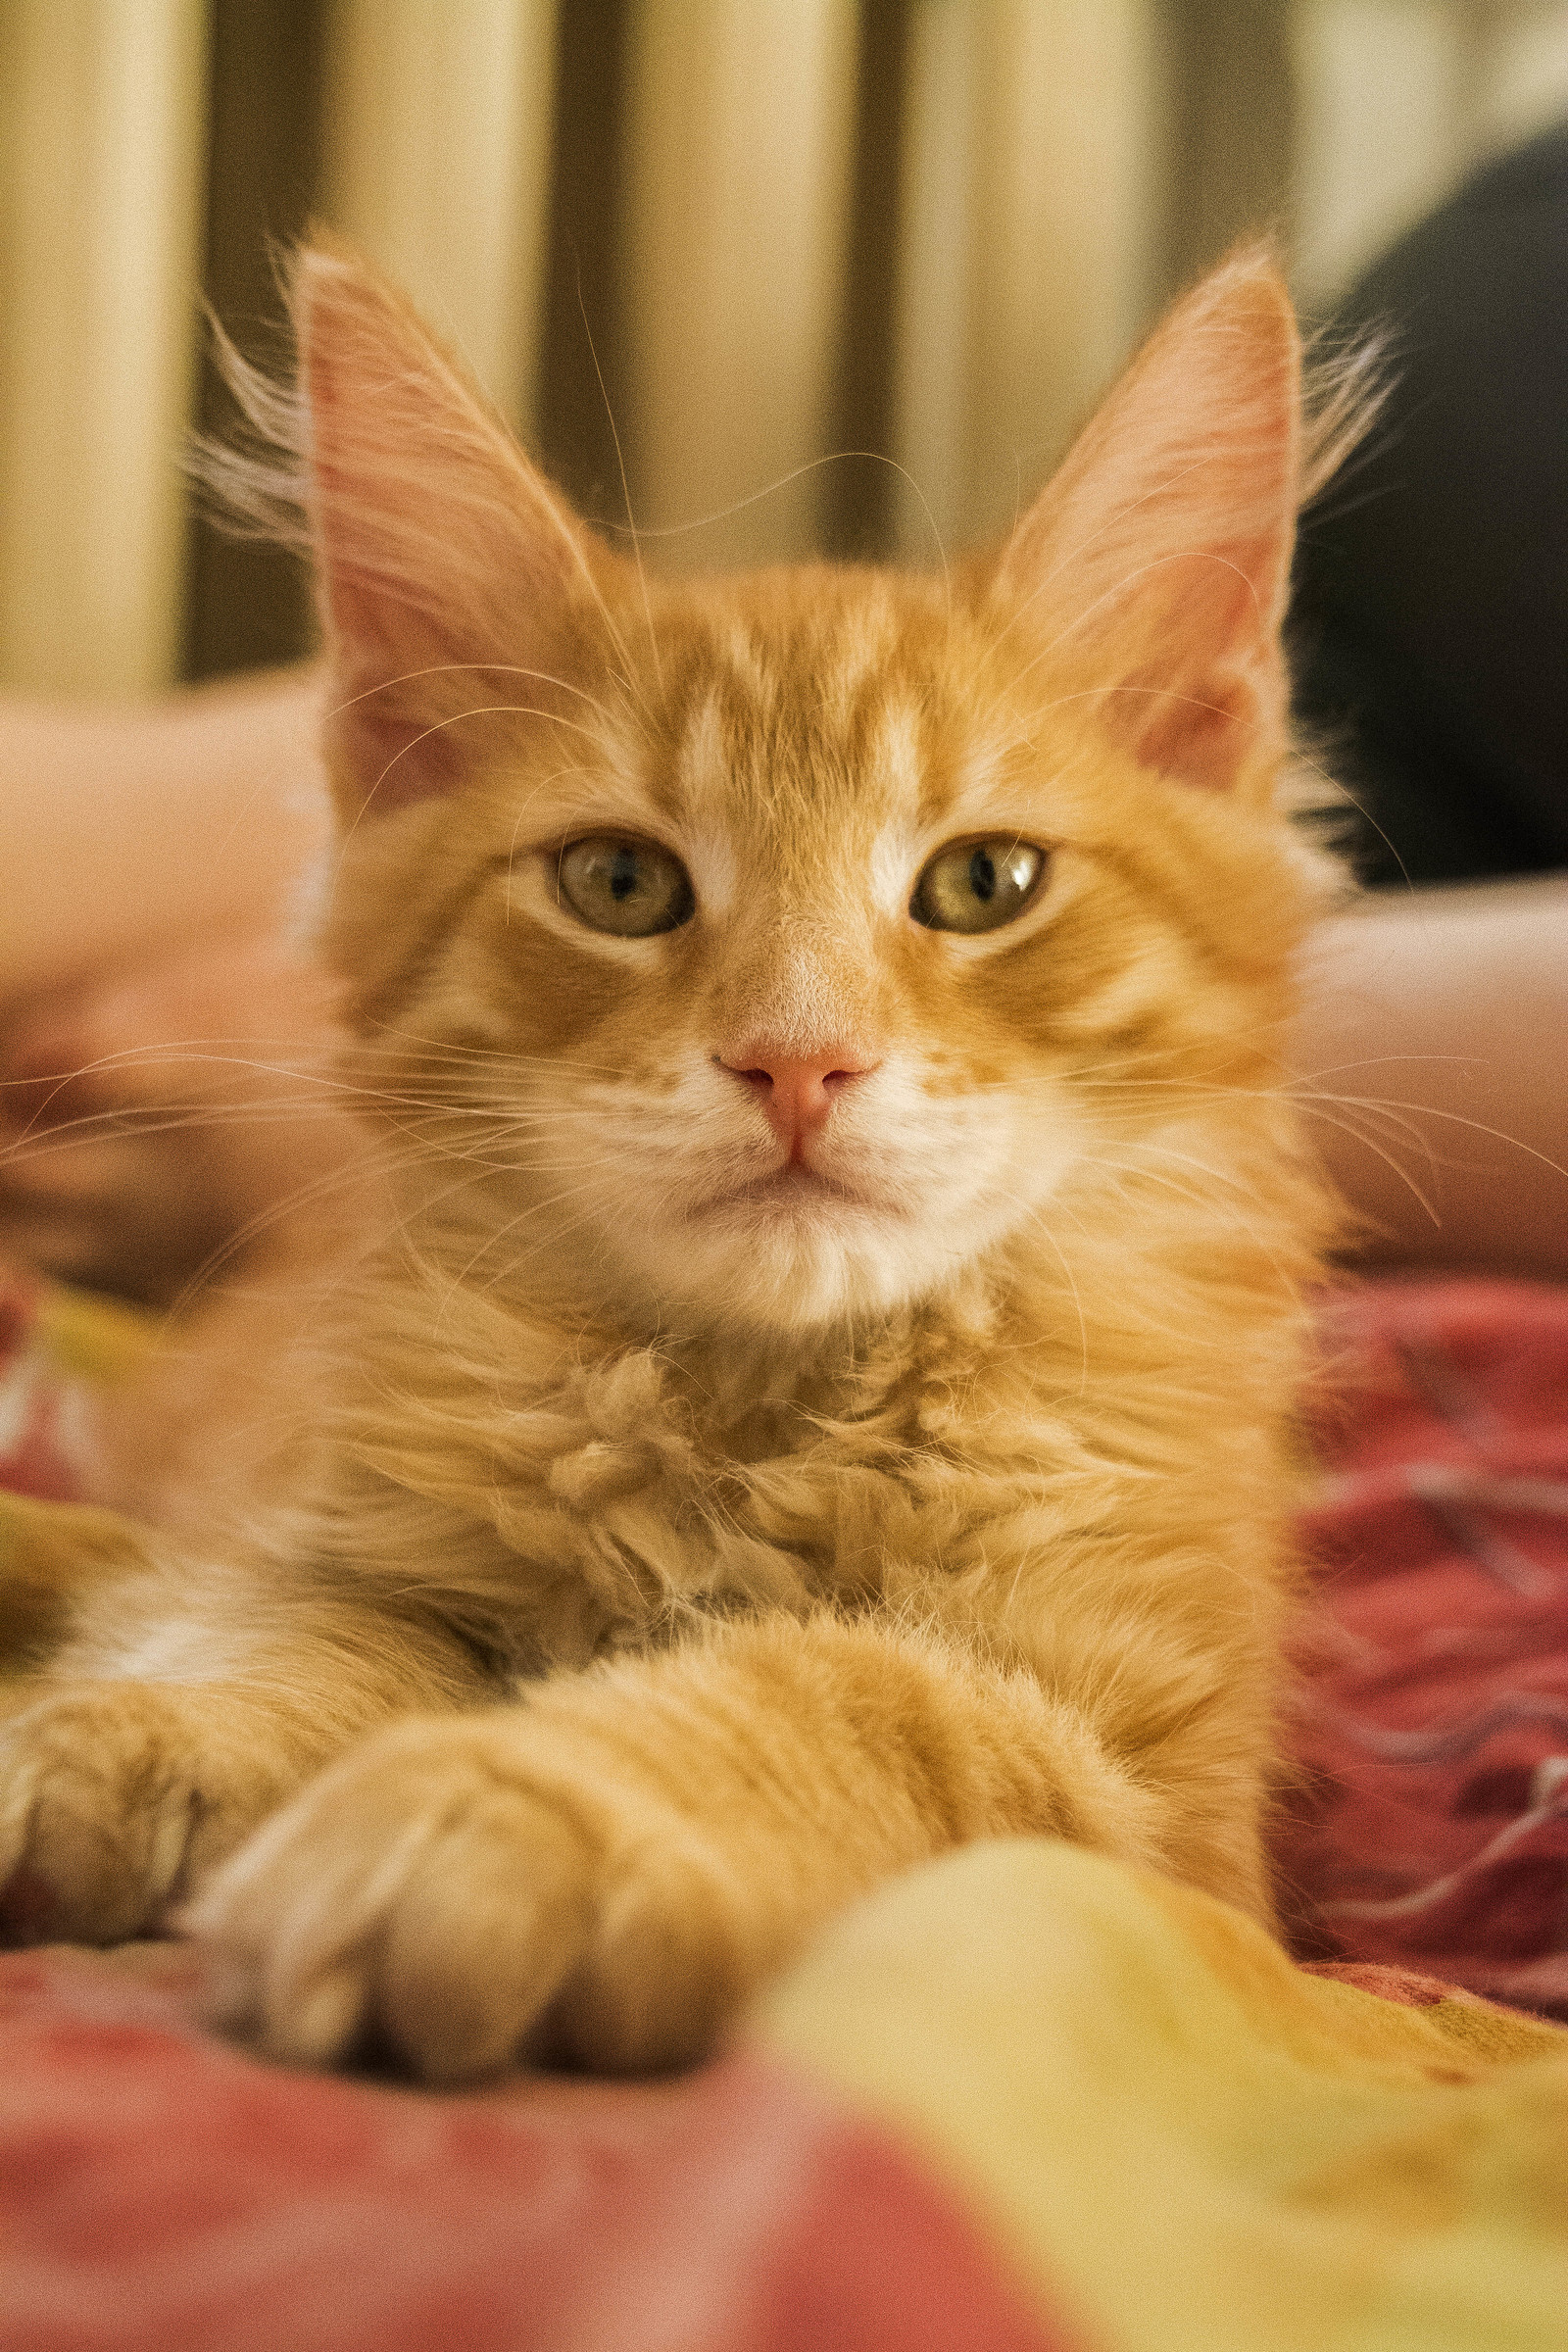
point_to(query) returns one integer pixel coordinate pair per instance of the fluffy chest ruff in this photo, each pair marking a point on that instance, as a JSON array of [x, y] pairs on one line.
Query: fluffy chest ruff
[[1055, 1434]]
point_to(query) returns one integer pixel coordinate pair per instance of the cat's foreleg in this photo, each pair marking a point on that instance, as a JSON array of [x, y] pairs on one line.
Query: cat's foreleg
[[602, 1873], [131, 1768]]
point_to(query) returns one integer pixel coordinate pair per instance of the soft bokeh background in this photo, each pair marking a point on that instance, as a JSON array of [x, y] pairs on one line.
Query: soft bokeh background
[[774, 228]]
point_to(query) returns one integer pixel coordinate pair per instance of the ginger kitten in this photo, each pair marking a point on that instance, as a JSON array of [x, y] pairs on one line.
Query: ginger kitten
[[823, 1394]]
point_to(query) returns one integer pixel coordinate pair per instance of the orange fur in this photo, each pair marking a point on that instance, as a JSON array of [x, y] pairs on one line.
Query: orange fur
[[806, 1521]]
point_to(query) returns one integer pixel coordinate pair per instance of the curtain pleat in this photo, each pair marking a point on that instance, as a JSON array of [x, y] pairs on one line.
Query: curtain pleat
[[100, 216]]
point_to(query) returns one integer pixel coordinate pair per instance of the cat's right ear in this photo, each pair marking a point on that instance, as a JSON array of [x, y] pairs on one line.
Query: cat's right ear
[[1152, 569], [448, 569]]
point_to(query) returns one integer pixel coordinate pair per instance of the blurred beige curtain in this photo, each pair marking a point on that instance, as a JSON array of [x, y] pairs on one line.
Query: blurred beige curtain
[[102, 109], [438, 161], [737, 157], [1397, 101], [700, 244], [1033, 147]]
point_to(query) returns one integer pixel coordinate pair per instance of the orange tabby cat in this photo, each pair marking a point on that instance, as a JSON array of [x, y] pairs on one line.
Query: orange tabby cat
[[823, 1394]]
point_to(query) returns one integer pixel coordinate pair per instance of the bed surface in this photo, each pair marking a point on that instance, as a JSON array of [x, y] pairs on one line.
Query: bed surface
[[1022, 2098]]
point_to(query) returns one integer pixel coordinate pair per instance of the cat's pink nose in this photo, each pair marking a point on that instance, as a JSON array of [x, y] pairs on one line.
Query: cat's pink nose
[[795, 1092]]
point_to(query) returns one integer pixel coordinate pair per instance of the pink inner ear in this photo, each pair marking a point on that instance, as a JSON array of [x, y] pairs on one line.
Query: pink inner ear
[[1156, 563], [1200, 737], [1222, 684], [394, 756]]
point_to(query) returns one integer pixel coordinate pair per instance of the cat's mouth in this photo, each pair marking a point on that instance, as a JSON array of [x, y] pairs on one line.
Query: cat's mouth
[[794, 1185]]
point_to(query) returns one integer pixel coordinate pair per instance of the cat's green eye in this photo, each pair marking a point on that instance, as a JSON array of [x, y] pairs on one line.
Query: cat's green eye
[[632, 888], [978, 885]]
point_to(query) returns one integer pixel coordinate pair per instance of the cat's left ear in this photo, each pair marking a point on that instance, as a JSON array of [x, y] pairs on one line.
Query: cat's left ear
[[1151, 575], [453, 578]]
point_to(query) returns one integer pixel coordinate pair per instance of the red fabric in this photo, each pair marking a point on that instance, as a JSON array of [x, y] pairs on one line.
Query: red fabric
[[34, 1451], [160, 2192], [1431, 1832]]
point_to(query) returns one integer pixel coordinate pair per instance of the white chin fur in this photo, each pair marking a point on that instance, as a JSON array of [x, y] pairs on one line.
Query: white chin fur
[[785, 1266], [678, 1220]]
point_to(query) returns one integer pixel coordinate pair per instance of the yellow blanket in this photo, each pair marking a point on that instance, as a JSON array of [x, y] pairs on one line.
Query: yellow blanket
[[1187, 2143]]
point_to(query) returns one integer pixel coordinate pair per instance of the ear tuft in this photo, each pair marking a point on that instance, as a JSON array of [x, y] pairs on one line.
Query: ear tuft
[[1154, 566]]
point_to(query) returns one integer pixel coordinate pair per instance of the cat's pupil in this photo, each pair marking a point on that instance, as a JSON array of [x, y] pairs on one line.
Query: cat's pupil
[[623, 873], [983, 875]]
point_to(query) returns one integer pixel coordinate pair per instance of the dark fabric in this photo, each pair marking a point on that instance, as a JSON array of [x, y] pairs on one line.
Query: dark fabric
[[1430, 628]]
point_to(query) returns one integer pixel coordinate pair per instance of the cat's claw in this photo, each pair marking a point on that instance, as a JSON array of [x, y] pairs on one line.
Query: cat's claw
[[439, 1898]]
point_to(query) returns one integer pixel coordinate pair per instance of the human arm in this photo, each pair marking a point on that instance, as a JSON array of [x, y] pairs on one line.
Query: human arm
[[1430, 1052], [127, 835], [152, 997]]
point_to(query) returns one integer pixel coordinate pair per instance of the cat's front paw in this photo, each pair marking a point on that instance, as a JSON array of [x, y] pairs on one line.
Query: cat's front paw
[[114, 1798], [447, 1896]]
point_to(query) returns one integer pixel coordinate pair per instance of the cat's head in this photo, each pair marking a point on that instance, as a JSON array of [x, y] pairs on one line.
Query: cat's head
[[763, 949]]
